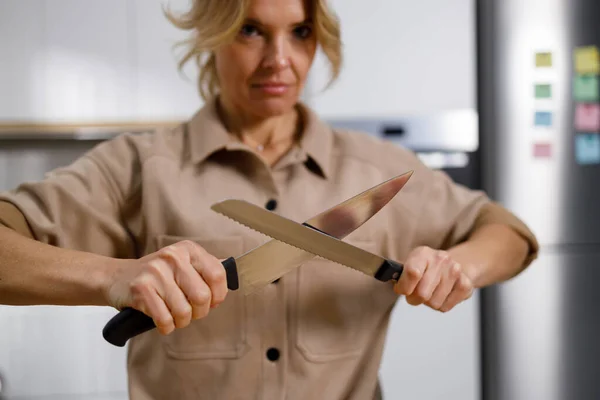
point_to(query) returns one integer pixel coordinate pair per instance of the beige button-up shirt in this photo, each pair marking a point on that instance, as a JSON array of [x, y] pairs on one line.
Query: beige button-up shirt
[[317, 333]]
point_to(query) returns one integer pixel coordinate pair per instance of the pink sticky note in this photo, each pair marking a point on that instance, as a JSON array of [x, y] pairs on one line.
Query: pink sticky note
[[587, 117], [542, 150]]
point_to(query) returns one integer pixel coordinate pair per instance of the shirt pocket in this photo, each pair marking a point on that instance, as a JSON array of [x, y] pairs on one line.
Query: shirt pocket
[[222, 333], [339, 310]]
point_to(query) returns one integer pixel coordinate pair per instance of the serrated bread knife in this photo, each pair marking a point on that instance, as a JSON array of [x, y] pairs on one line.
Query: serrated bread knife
[[310, 239]]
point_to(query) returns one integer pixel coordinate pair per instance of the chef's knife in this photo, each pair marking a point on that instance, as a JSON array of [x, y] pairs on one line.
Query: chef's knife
[[309, 239], [264, 264]]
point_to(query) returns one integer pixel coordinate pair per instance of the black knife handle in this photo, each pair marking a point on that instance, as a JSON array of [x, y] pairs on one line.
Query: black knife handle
[[130, 322], [389, 270]]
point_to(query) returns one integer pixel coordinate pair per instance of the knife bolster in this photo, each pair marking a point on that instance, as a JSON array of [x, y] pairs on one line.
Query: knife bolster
[[233, 282], [389, 270]]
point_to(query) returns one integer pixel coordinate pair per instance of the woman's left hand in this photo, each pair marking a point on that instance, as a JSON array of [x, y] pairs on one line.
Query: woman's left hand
[[433, 278]]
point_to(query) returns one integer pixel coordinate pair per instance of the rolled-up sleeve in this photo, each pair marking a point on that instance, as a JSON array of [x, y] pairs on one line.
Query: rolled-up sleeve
[[79, 206], [455, 212]]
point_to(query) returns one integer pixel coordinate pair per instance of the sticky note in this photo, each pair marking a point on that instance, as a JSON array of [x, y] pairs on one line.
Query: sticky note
[[585, 88], [543, 59], [543, 118], [543, 91], [587, 117], [587, 60], [542, 150], [587, 148]]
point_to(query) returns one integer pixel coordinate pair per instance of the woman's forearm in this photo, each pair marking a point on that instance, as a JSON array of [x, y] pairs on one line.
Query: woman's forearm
[[33, 273], [492, 254]]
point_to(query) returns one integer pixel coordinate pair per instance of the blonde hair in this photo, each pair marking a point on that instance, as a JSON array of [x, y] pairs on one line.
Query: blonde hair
[[216, 22]]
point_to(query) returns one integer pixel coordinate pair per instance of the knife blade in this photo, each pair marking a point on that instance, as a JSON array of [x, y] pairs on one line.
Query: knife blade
[[309, 239], [277, 258], [265, 263]]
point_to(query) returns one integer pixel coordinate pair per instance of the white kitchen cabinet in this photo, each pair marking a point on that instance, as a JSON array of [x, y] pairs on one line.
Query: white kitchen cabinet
[[22, 55], [430, 355], [46, 352], [400, 57], [59, 351], [162, 92], [88, 71]]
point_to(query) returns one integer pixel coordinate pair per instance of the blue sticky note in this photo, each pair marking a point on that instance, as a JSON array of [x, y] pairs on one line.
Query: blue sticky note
[[587, 148], [543, 118]]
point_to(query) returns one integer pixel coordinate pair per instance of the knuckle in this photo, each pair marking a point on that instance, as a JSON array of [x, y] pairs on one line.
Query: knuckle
[[455, 270], [187, 243], [140, 287], [200, 312], [464, 285], [163, 321], [414, 274], [442, 256], [155, 268], [216, 274], [422, 250], [202, 297], [422, 294], [182, 312]]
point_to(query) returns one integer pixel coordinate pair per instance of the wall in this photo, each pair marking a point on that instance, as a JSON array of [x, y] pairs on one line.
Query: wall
[[95, 60]]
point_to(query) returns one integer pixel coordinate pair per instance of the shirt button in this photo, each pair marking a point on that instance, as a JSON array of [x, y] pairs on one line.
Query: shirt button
[[273, 354], [271, 205]]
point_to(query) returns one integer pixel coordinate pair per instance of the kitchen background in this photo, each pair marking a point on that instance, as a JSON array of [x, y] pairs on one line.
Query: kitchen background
[[502, 94]]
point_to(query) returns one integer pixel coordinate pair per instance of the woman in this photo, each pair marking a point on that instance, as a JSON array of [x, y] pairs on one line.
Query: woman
[[129, 224]]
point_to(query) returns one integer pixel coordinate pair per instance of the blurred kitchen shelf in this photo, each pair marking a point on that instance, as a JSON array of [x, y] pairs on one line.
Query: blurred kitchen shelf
[[77, 131]]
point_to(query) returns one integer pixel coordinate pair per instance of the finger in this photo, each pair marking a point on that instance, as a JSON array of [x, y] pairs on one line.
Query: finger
[[154, 306], [414, 269], [450, 276], [214, 275], [462, 290], [196, 291], [436, 265], [147, 298], [194, 288], [180, 307], [427, 285], [171, 264]]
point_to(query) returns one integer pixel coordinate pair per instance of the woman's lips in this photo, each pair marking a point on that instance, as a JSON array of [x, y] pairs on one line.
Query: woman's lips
[[272, 88]]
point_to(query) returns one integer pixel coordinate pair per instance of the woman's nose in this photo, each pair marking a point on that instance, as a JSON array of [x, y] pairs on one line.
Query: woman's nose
[[277, 55]]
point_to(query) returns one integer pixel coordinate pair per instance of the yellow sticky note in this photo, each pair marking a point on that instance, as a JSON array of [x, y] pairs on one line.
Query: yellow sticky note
[[543, 59], [587, 60]]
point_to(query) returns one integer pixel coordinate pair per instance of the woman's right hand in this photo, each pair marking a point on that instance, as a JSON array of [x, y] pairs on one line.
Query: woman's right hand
[[173, 286]]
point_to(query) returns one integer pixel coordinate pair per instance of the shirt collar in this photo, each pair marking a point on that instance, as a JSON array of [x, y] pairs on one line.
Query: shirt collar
[[208, 135]]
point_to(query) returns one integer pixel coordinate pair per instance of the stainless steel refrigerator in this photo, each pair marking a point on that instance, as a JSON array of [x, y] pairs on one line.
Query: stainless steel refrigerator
[[539, 118]]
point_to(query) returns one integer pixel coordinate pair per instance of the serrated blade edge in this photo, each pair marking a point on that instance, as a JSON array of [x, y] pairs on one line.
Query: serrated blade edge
[[300, 236]]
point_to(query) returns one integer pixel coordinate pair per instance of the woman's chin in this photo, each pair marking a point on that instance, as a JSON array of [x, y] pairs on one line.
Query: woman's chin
[[272, 107]]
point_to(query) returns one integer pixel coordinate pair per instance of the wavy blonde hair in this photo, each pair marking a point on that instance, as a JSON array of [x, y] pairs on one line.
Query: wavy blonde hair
[[217, 22]]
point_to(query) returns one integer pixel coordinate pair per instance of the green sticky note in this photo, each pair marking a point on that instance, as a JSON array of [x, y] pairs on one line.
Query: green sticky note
[[543, 91], [585, 88]]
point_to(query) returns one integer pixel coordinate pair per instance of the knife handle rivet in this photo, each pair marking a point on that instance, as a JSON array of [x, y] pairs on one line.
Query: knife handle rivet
[[396, 276]]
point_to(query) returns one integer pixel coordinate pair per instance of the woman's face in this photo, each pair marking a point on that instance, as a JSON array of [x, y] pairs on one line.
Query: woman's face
[[263, 71]]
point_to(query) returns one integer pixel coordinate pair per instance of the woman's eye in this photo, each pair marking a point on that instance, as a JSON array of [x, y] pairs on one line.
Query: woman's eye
[[303, 32], [248, 30]]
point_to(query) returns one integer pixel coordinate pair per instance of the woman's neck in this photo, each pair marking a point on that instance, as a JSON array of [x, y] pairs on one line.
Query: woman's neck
[[271, 138]]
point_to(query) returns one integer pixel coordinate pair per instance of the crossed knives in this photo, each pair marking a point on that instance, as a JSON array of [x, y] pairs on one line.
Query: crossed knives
[[293, 243]]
